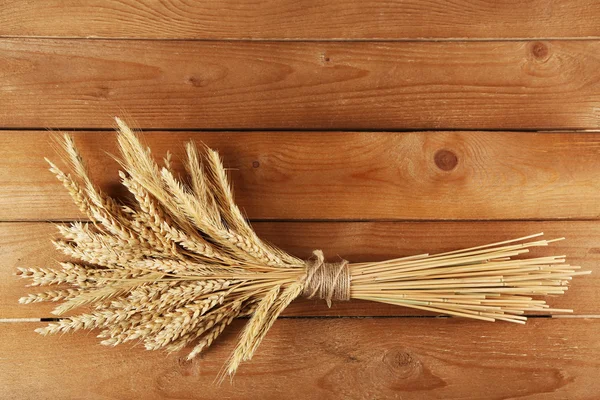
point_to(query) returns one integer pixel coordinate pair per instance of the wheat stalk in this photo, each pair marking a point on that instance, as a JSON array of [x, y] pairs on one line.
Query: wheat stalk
[[178, 265]]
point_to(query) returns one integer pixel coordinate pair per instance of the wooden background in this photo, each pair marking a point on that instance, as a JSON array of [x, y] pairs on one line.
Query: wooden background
[[367, 128]]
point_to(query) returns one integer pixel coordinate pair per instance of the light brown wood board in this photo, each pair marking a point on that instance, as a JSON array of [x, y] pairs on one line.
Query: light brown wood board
[[341, 175], [28, 245], [395, 358], [303, 19], [58, 83]]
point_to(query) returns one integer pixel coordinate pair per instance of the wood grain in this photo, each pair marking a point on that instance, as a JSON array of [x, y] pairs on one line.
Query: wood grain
[[300, 85], [304, 100], [28, 245], [322, 359], [335, 175], [303, 19]]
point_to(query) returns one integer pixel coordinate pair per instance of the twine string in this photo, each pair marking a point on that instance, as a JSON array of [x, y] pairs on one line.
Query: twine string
[[327, 281]]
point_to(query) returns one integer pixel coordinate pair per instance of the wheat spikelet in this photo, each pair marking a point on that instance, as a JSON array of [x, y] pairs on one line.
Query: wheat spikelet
[[208, 335], [178, 264], [51, 295], [253, 327]]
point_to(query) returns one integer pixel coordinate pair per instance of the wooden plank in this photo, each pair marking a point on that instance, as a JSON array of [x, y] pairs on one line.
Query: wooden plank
[[324, 359], [300, 85], [28, 245], [334, 175], [303, 19]]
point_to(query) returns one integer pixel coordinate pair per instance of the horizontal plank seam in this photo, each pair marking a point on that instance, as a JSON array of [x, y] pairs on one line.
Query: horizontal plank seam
[[337, 317], [336, 220], [35, 129], [309, 40]]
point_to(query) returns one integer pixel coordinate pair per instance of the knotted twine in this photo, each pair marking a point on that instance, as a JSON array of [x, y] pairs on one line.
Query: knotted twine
[[327, 281]]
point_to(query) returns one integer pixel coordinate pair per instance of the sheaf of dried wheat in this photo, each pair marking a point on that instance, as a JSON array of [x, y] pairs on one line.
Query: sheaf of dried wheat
[[179, 262]]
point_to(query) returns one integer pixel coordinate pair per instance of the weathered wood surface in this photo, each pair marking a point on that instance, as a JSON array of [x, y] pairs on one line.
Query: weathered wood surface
[[335, 175], [303, 19], [28, 245], [301, 85], [403, 358]]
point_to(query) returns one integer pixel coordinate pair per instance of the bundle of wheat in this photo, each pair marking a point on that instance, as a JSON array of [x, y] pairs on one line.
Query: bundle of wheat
[[181, 262]]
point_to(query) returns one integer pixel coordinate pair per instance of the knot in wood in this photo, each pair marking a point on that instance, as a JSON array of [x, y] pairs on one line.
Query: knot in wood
[[327, 281]]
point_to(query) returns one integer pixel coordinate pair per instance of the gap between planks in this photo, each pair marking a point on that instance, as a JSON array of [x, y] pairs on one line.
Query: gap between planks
[[583, 316], [312, 40], [57, 129], [334, 220]]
